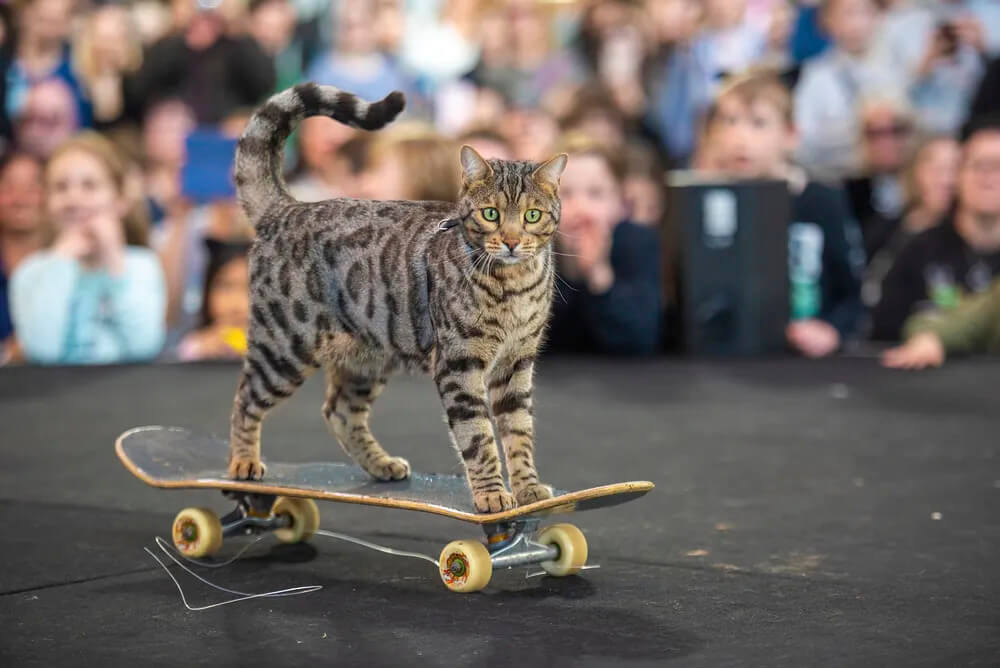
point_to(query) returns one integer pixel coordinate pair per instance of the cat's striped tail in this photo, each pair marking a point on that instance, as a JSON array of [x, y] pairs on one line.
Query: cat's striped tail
[[258, 168]]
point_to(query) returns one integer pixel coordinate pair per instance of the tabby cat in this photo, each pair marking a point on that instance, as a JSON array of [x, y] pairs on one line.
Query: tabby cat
[[365, 288]]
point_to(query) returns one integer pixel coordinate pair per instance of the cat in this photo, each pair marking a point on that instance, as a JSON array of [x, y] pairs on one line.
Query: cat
[[366, 288]]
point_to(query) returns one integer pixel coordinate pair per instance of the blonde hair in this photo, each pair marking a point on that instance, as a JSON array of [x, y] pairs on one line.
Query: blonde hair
[[578, 143], [430, 161], [135, 221], [83, 58], [755, 85]]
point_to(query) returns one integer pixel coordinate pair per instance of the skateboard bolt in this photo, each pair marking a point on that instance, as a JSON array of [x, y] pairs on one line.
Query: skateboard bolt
[[457, 567], [189, 532]]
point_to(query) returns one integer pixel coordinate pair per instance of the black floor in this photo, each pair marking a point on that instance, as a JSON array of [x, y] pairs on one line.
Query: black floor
[[793, 524]]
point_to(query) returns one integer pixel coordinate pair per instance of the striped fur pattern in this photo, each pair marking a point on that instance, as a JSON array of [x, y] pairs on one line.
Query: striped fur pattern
[[364, 289]]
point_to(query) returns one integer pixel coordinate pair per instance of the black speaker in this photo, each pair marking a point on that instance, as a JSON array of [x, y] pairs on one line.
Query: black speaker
[[733, 248]]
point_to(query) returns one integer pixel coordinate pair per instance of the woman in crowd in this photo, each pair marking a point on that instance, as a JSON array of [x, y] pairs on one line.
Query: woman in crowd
[[929, 190], [96, 295]]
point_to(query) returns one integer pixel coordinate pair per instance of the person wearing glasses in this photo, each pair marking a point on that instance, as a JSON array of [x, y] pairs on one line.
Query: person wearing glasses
[[959, 257]]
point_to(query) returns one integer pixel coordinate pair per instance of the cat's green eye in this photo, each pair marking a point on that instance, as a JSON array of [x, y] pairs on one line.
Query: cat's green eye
[[491, 214], [532, 215]]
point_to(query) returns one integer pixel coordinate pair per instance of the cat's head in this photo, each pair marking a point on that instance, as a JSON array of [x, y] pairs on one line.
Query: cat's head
[[511, 209]]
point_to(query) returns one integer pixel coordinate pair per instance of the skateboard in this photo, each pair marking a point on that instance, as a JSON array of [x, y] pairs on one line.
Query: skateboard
[[283, 502]]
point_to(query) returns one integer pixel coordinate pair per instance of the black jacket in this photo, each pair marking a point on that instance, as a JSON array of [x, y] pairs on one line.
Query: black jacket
[[930, 272], [626, 319], [231, 74]]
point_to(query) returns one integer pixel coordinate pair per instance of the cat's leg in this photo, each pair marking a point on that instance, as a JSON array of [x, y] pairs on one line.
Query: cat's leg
[[267, 379], [461, 384], [511, 395], [346, 411]]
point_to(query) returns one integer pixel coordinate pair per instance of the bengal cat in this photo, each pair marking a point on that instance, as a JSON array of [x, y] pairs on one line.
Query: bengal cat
[[366, 288]]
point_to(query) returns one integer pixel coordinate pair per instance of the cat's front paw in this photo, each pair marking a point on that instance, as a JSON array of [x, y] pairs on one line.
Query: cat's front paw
[[246, 468], [532, 493], [493, 502], [389, 468]]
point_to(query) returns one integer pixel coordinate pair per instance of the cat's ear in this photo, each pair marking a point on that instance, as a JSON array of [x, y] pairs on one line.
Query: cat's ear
[[548, 172], [473, 165]]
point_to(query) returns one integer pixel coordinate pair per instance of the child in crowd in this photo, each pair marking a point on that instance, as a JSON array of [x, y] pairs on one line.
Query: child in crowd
[[608, 296], [97, 294], [751, 135], [225, 306], [972, 327]]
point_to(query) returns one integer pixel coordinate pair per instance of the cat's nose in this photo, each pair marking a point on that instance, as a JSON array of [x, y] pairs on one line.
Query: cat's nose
[[511, 244]]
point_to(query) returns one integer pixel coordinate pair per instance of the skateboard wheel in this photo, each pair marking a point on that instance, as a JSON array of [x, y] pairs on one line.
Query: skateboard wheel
[[305, 518], [465, 566], [197, 532], [572, 549]]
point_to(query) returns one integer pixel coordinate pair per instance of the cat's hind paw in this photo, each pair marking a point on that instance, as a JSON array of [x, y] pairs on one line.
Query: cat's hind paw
[[533, 493], [246, 468]]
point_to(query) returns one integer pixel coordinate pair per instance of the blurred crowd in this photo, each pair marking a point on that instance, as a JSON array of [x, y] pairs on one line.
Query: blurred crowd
[[121, 240]]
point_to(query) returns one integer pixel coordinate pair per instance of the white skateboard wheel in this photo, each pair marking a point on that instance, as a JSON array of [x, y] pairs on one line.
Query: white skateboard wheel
[[304, 515], [572, 548], [465, 566], [197, 532]]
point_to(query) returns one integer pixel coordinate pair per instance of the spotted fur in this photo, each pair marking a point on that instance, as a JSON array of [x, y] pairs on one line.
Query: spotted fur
[[368, 288]]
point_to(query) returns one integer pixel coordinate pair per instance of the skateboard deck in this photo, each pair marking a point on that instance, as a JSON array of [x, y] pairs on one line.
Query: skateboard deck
[[174, 457]]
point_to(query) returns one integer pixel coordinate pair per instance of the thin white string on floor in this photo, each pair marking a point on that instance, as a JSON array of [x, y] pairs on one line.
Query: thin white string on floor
[[375, 546], [170, 552], [241, 596]]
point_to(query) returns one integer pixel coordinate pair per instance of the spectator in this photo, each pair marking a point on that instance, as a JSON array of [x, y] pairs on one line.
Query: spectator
[[530, 131], [938, 50], [225, 310], [321, 172], [164, 132], [679, 76], [518, 57], [751, 134], [107, 49], [929, 191], [609, 301], [96, 295], [832, 86], [876, 194], [47, 118], [961, 254], [442, 47], [412, 162], [22, 230], [212, 72], [181, 243], [972, 327], [355, 64], [734, 42], [594, 114], [42, 52], [271, 23], [487, 143]]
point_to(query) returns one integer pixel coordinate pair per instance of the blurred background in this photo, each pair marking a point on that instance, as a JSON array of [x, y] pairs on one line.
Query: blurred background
[[746, 176]]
